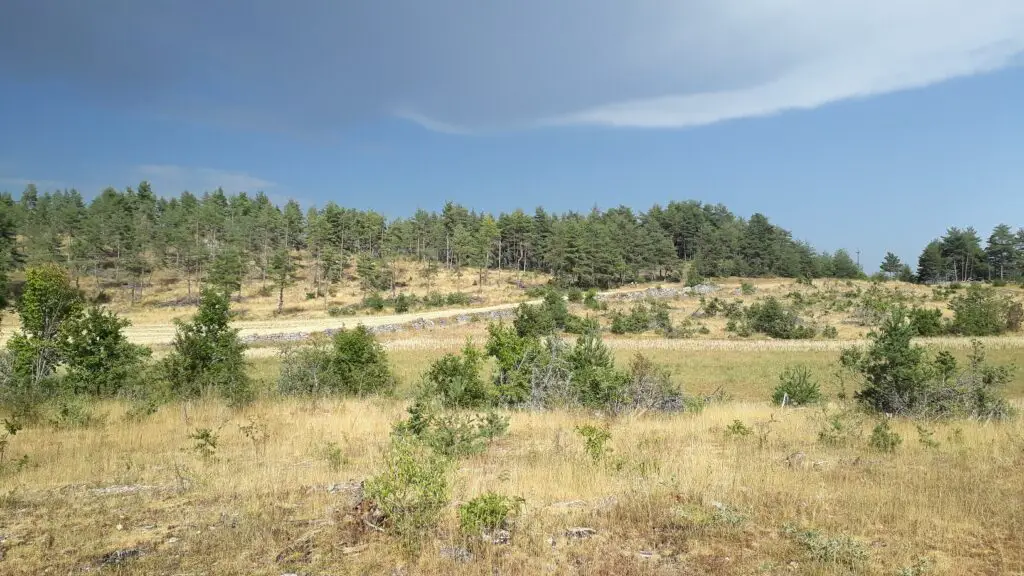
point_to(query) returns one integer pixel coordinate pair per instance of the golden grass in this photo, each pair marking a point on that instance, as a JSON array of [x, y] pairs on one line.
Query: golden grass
[[267, 509]]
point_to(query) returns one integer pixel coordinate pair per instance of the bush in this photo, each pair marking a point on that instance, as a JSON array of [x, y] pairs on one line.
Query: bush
[[456, 381], [373, 302], [451, 435], [926, 321], [830, 332], [650, 387], [98, 356], [595, 441], [411, 491], [884, 439], [901, 378], [693, 277], [207, 354], [574, 295], [595, 381], [770, 317], [354, 364], [488, 513], [403, 302], [980, 311], [591, 302], [747, 289], [458, 299], [641, 318], [797, 387]]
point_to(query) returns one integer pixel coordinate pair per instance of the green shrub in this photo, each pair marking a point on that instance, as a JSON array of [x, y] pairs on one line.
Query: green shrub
[[434, 300], [403, 302], [353, 364], [926, 321], [591, 302], [574, 295], [595, 381], [411, 490], [747, 289], [488, 513], [576, 325], [901, 378], [641, 318], [374, 301], [693, 277], [839, 550], [207, 354], [797, 387], [595, 441], [770, 317], [738, 429], [458, 299], [980, 311], [451, 434], [98, 357], [455, 380], [830, 332], [884, 439]]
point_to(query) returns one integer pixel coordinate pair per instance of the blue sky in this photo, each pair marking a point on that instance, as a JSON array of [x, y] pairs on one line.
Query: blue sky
[[868, 125]]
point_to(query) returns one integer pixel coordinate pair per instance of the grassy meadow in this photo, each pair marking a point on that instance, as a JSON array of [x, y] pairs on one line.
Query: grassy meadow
[[689, 493]]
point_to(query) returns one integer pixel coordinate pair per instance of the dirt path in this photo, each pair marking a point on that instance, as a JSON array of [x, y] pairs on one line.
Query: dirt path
[[154, 335]]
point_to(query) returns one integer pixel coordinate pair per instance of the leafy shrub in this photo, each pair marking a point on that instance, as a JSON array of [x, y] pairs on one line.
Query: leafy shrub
[[747, 289], [595, 441], [574, 295], [738, 429], [901, 378], [830, 332], [434, 300], [374, 301], [595, 381], [591, 302], [980, 311], [403, 302], [98, 356], [335, 311], [649, 387], [456, 380], [839, 550], [884, 439], [487, 513], [1014, 316], [576, 325], [926, 321], [770, 317], [354, 364], [411, 491], [72, 413], [693, 277], [207, 354], [797, 387], [533, 321], [641, 318], [458, 299], [451, 434]]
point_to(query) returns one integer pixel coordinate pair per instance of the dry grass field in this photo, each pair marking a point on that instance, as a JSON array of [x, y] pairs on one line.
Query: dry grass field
[[675, 495], [786, 491]]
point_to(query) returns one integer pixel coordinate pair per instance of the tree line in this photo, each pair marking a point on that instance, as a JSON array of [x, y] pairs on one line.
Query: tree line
[[123, 236]]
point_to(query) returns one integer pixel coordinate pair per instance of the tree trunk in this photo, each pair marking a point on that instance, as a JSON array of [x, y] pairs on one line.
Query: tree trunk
[[280, 298]]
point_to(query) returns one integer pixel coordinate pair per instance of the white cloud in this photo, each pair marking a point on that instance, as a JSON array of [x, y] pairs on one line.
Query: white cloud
[[773, 56], [469, 66], [169, 179]]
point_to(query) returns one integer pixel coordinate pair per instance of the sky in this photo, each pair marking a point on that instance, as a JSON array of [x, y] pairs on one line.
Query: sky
[[869, 125]]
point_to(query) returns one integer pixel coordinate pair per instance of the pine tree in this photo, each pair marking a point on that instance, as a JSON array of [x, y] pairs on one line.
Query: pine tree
[[931, 265], [891, 265], [282, 273]]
